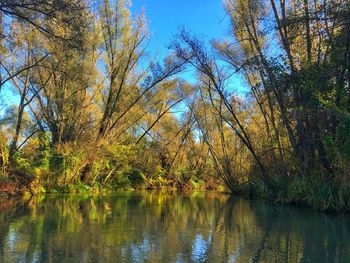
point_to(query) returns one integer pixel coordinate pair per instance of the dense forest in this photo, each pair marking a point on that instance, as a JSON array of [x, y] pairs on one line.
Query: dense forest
[[95, 112]]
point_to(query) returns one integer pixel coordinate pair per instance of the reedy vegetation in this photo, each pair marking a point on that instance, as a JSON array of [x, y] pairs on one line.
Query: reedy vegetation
[[96, 112]]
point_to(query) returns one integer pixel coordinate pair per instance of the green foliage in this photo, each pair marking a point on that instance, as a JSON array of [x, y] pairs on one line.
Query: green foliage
[[136, 177], [184, 173], [121, 182], [4, 155], [159, 172], [258, 189], [343, 138], [297, 190], [195, 183], [45, 151], [78, 188], [22, 163]]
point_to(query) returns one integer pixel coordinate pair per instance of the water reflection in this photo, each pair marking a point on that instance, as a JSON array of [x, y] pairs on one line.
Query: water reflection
[[167, 227]]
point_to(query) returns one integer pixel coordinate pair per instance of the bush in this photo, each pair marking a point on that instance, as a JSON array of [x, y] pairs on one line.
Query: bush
[[136, 177], [298, 190]]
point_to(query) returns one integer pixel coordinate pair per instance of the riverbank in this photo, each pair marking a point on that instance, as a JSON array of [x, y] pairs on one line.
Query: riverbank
[[321, 196], [9, 188]]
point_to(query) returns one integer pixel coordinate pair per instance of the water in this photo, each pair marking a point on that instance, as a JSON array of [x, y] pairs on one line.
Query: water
[[167, 227]]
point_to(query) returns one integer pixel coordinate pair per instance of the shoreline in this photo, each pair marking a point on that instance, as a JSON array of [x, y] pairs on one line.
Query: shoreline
[[20, 192]]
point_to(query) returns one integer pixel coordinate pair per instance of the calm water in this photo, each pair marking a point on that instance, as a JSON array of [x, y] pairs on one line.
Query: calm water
[[167, 227]]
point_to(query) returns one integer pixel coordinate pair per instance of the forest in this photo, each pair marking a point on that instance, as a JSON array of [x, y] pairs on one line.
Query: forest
[[95, 112]]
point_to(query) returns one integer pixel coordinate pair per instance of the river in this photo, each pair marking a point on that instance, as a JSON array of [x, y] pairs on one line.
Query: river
[[167, 227]]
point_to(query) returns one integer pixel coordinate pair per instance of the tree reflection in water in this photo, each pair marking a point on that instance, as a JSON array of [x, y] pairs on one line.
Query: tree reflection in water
[[167, 227]]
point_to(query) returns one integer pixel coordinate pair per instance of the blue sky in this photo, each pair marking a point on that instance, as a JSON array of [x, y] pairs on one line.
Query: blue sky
[[202, 17]]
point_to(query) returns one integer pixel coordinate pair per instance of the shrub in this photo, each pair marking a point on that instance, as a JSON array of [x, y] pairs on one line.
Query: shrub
[[136, 177]]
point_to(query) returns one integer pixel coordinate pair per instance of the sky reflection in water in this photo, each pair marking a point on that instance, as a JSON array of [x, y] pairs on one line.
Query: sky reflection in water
[[167, 227]]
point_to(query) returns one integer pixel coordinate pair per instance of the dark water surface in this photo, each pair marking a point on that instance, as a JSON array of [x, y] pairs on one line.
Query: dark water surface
[[167, 227]]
